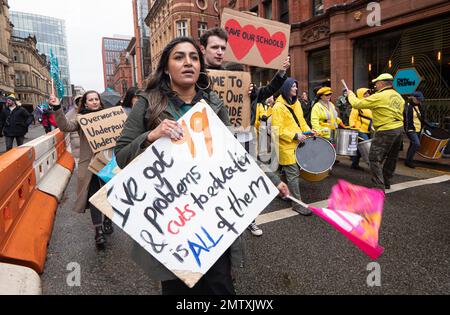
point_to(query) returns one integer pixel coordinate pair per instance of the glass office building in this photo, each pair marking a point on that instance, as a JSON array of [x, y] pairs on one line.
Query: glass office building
[[50, 34], [111, 49]]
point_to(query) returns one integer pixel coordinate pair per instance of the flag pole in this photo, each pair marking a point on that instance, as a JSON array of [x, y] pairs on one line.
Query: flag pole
[[304, 205]]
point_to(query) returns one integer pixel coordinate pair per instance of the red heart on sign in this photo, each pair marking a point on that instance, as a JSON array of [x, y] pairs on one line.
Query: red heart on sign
[[270, 47], [241, 39]]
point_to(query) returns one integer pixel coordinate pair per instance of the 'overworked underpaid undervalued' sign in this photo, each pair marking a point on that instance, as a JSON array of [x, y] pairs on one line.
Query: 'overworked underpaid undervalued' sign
[[186, 202], [102, 129]]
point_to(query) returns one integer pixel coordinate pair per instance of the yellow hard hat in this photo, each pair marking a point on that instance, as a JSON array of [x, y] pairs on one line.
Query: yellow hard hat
[[384, 77], [360, 92], [324, 91]]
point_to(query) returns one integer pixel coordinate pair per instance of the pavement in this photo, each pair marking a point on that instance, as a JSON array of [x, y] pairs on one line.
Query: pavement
[[34, 132], [296, 255]]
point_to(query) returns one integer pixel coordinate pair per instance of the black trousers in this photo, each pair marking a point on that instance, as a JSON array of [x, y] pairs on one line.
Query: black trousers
[[96, 215], [9, 141], [217, 281]]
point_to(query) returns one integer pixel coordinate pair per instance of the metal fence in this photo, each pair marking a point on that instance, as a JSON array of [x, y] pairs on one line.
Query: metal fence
[[437, 110]]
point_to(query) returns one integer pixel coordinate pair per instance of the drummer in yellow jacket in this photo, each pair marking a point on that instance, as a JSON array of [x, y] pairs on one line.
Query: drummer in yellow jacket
[[361, 120], [289, 126], [387, 107], [324, 116]]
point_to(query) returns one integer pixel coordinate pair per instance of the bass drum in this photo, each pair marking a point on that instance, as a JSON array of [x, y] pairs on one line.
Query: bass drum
[[315, 157], [433, 143]]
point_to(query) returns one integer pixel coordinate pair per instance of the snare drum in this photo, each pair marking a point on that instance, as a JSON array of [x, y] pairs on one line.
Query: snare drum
[[346, 142], [315, 157], [433, 143]]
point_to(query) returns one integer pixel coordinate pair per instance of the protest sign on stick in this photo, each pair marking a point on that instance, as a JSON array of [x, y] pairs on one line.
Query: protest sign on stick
[[255, 41], [232, 88], [186, 202], [102, 129]]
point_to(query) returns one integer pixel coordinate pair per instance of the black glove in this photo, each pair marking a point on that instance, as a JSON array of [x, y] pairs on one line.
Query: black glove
[[264, 118]]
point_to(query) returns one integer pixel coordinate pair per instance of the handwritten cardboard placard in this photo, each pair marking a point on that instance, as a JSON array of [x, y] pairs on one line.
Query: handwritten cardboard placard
[[102, 129], [232, 87], [186, 202], [255, 41]]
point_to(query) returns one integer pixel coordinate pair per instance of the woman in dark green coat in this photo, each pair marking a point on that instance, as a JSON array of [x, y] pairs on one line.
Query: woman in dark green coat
[[179, 83]]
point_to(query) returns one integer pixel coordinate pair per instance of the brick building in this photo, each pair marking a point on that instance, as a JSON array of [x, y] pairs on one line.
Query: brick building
[[341, 39], [32, 74], [6, 69], [111, 50], [168, 19], [122, 77]]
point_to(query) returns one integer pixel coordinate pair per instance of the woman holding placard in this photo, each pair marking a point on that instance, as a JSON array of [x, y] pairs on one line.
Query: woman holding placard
[[88, 183], [179, 83]]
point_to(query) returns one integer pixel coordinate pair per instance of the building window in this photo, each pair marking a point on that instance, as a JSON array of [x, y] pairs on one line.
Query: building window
[[268, 9], [317, 7], [319, 70], [182, 28], [2, 73], [202, 28], [284, 11]]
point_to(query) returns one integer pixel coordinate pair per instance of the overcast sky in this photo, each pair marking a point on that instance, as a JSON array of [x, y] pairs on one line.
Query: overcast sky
[[87, 21]]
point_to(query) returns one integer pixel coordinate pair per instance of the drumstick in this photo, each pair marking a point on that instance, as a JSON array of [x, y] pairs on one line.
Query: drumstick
[[304, 205], [345, 85]]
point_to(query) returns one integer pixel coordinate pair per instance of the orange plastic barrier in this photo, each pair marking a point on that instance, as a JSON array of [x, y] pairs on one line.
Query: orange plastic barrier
[[27, 243], [26, 212], [67, 161], [13, 164]]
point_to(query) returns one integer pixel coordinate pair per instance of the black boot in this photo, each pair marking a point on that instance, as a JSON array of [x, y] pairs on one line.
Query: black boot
[[100, 239], [108, 226]]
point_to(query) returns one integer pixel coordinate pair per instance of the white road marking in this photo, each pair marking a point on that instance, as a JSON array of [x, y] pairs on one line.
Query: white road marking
[[288, 213]]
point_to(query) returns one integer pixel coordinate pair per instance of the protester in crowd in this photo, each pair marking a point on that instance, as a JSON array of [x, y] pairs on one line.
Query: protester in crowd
[[14, 122], [361, 120], [324, 117], [176, 86], [88, 183], [290, 125], [130, 100], [343, 107], [263, 112], [213, 44], [387, 107], [415, 120], [306, 107], [48, 121], [74, 136]]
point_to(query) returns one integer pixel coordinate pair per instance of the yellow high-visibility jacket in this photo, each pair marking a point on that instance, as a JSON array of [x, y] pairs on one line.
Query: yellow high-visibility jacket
[[322, 118], [284, 128], [416, 119], [387, 108], [260, 112], [360, 123]]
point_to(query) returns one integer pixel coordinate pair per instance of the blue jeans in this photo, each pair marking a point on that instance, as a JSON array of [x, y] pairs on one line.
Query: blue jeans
[[413, 147], [355, 159]]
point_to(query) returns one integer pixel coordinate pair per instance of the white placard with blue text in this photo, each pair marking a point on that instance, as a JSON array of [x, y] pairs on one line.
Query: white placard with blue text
[[187, 202]]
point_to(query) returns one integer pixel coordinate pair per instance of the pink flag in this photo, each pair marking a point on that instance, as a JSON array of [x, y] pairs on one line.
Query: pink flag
[[356, 212]]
